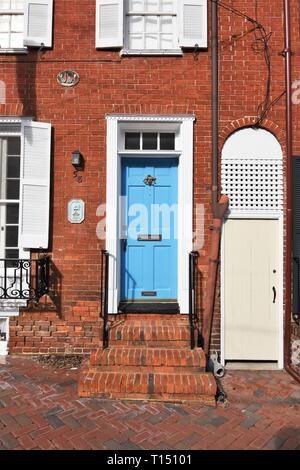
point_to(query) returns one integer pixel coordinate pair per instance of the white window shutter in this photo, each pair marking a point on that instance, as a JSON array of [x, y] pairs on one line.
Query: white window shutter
[[35, 185], [38, 20], [192, 18], [109, 23]]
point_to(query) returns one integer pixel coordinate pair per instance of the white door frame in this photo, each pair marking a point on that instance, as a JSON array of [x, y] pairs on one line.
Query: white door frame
[[114, 153], [280, 317]]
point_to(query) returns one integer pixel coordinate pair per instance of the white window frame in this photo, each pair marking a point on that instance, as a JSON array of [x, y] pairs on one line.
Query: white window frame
[[4, 202], [13, 50], [24, 254], [116, 127], [127, 51], [10, 307]]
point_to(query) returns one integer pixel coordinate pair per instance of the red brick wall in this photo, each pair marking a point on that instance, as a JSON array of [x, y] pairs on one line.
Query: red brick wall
[[143, 85], [46, 333]]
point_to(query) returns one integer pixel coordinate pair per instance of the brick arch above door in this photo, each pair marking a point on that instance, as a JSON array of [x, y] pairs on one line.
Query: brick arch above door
[[250, 121]]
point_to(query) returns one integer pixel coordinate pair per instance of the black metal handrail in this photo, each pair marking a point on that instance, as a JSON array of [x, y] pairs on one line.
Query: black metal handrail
[[24, 279], [104, 296], [296, 306], [193, 296]]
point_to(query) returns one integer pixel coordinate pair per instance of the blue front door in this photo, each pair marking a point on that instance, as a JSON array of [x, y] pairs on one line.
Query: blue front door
[[149, 245]]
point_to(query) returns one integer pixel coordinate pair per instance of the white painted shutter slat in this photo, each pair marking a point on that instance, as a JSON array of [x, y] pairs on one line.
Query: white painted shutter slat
[[35, 185], [38, 20], [192, 23], [109, 23]]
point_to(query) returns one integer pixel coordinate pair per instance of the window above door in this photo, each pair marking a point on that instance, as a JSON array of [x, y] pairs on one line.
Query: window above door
[[151, 27], [149, 137], [149, 140]]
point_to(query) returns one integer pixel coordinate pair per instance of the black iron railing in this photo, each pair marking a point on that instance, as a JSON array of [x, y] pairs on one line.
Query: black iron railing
[[296, 289], [24, 279], [104, 296], [193, 297]]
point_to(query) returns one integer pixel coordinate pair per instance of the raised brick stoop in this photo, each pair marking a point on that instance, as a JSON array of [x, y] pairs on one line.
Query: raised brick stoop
[[149, 358]]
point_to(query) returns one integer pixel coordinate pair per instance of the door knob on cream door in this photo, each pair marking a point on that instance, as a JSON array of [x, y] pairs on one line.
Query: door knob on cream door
[[274, 295]]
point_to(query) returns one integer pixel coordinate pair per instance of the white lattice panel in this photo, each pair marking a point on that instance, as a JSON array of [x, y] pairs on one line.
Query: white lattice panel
[[253, 185]]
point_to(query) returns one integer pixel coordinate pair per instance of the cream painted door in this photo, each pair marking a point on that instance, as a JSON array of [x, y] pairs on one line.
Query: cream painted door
[[251, 265]]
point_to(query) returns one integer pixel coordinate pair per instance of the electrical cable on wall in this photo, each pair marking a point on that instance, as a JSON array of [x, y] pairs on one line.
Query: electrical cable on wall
[[260, 45]]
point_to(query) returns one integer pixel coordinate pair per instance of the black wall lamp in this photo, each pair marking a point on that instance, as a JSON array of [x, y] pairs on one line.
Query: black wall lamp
[[77, 159], [78, 164]]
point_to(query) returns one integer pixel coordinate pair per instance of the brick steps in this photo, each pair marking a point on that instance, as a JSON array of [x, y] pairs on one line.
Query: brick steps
[[149, 359], [153, 332], [175, 387]]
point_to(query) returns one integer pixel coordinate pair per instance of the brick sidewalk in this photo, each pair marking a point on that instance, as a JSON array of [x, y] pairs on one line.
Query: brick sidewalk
[[40, 409]]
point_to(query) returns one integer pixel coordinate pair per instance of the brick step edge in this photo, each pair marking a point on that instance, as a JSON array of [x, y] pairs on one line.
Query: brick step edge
[[149, 357], [203, 400], [116, 384], [151, 369], [175, 344], [143, 332]]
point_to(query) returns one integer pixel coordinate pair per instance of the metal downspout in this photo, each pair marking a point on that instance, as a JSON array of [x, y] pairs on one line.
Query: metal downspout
[[218, 208], [215, 103]]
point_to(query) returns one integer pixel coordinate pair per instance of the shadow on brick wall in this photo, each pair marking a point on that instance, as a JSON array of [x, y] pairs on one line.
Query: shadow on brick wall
[[51, 302], [26, 82]]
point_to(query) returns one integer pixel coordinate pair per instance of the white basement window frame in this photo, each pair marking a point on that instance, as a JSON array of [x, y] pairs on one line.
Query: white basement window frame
[[151, 27], [12, 27]]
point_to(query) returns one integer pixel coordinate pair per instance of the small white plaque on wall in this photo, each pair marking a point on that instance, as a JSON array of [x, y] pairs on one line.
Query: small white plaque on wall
[[76, 211]]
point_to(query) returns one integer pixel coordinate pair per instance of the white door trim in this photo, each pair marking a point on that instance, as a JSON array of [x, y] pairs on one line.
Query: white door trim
[[279, 217], [185, 199]]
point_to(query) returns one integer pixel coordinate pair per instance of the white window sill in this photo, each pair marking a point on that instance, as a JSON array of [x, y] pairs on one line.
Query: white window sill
[[21, 50], [164, 52], [10, 307]]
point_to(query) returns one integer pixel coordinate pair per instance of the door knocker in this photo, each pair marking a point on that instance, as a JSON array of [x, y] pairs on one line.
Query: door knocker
[[150, 180]]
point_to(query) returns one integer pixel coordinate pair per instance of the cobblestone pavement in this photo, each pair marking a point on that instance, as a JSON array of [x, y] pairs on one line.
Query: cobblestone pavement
[[40, 409]]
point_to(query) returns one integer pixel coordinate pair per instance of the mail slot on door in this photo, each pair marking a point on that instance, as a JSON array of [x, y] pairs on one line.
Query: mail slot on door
[[149, 238]]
